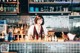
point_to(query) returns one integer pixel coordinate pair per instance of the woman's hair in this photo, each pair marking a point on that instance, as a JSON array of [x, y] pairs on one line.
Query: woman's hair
[[37, 18]]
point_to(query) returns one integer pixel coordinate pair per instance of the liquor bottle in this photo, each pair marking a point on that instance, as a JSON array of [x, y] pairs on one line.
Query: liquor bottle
[[3, 0], [4, 9], [39, 0], [41, 9], [6, 37], [36, 0], [10, 8], [60, 8], [14, 8], [53, 39], [36, 9], [10, 37], [1, 8], [56, 39], [42, 0], [56, 8]]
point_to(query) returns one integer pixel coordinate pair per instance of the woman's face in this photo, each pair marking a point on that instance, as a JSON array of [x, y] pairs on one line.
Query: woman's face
[[39, 21]]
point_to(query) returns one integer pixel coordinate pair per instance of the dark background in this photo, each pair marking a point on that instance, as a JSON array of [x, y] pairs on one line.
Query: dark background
[[23, 6]]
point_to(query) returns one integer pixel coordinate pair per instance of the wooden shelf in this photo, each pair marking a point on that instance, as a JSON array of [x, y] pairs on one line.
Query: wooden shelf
[[8, 9], [52, 12], [49, 2], [9, 2], [60, 4], [8, 13]]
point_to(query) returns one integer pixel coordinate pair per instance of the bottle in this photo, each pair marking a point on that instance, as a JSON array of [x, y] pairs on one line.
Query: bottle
[[42, 0], [10, 37], [14, 8], [55, 39], [1, 8], [4, 9], [3, 0], [42, 9], [6, 37], [36, 0], [39, 0]]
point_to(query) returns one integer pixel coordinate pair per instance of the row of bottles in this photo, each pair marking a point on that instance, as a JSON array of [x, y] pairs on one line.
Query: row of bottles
[[8, 8], [52, 38], [50, 0], [8, 0], [48, 9]]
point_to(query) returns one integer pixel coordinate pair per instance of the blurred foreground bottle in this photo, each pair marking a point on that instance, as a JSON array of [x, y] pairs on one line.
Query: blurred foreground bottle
[[10, 37], [6, 37], [1, 8], [55, 39]]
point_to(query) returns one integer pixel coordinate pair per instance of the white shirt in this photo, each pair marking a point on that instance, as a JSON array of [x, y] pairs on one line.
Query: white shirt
[[31, 29]]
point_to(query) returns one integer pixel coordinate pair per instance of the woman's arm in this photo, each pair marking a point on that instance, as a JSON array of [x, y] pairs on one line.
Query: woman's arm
[[30, 32]]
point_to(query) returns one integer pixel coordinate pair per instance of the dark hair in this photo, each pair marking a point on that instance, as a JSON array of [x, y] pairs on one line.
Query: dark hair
[[40, 17]]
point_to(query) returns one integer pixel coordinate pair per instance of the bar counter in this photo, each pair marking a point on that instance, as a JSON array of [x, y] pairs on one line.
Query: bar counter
[[42, 46]]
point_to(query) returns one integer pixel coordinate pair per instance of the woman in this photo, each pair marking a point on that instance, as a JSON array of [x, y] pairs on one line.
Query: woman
[[37, 30]]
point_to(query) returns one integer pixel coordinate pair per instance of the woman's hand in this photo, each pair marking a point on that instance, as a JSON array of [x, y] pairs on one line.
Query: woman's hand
[[30, 37]]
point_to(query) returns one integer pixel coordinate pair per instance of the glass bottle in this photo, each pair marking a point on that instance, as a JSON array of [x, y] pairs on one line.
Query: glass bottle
[[4, 9], [1, 8], [6, 37], [56, 39], [10, 37], [42, 9], [3, 0]]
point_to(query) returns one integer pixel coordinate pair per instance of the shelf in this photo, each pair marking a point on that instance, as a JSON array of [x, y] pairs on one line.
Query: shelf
[[49, 2], [11, 7], [52, 12], [9, 2], [9, 12], [58, 7], [74, 15]]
